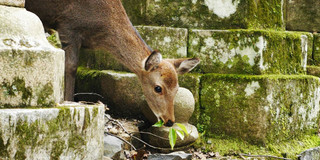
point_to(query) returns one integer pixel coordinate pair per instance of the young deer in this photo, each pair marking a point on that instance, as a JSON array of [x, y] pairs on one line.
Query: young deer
[[104, 24]]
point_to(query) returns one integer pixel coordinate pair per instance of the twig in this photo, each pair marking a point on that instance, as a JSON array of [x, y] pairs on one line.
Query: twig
[[140, 140], [121, 139], [268, 156]]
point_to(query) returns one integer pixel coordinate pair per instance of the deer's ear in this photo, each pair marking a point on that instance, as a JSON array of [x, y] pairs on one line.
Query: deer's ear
[[185, 65], [153, 60]]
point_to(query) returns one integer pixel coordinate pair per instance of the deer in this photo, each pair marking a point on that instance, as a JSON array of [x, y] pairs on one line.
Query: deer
[[104, 25]]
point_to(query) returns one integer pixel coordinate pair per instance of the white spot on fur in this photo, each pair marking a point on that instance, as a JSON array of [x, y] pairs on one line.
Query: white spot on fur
[[222, 8], [251, 88]]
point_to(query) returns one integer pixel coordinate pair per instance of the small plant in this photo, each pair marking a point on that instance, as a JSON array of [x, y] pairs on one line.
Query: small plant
[[173, 132]]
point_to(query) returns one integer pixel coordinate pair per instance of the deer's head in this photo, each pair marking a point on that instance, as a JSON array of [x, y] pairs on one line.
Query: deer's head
[[160, 83]]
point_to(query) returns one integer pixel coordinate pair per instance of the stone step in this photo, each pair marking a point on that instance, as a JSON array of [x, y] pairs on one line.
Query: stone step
[[123, 94], [69, 131], [222, 51], [209, 14], [32, 70], [251, 51], [259, 109]]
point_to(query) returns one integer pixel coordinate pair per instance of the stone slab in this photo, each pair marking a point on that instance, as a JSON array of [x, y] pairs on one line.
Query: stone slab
[[303, 15], [310, 154], [122, 91], [250, 51], [259, 109], [13, 3], [32, 70], [171, 42], [216, 14], [70, 131]]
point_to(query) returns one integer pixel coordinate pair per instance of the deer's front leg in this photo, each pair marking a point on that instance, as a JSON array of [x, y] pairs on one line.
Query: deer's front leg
[[71, 44]]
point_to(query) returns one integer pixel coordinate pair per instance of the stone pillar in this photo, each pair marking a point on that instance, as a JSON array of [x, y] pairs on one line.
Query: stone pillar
[[32, 70]]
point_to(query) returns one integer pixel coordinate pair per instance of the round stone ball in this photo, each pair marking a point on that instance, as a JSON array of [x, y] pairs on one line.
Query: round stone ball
[[183, 105]]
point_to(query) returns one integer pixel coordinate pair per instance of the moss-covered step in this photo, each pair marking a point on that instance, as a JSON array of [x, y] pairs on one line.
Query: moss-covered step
[[259, 109], [32, 70], [122, 91], [313, 70], [216, 14], [171, 42], [251, 51], [69, 131], [303, 15]]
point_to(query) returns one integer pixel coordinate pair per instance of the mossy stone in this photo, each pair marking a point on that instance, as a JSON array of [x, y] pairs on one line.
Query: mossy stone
[[65, 132], [251, 51], [231, 14], [259, 109]]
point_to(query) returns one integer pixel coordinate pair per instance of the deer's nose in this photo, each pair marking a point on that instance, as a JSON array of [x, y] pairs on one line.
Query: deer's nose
[[169, 123]]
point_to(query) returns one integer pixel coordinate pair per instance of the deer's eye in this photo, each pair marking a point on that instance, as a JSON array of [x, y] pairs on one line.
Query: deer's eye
[[158, 89]]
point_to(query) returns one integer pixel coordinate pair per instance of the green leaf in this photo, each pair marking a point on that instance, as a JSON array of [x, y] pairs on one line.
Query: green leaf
[[160, 123], [180, 134], [184, 129], [172, 137]]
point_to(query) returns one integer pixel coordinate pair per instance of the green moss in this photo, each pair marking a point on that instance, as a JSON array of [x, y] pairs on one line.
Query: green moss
[[44, 96], [37, 134], [54, 39], [232, 146], [313, 70], [258, 109], [249, 51], [249, 14], [88, 80], [18, 87], [316, 49]]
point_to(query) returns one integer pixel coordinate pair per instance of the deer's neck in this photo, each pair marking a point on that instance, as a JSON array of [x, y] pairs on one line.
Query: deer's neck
[[121, 39]]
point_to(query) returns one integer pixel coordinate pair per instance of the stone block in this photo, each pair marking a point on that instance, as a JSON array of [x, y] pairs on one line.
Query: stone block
[[250, 51], [171, 42], [32, 70], [259, 109], [122, 91], [70, 131], [310, 154], [13, 3], [303, 15], [216, 14]]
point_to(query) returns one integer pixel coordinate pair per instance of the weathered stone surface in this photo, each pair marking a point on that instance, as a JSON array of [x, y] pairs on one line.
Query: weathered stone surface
[[66, 132], [310, 154], [14, 3], [316, 49], [112, 145], [111, 85], [184, 105], [180, 155], [164, 132], [259, 109], [303, 15], [216, 14], [32, 71], [250, 51], [171, 42]]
